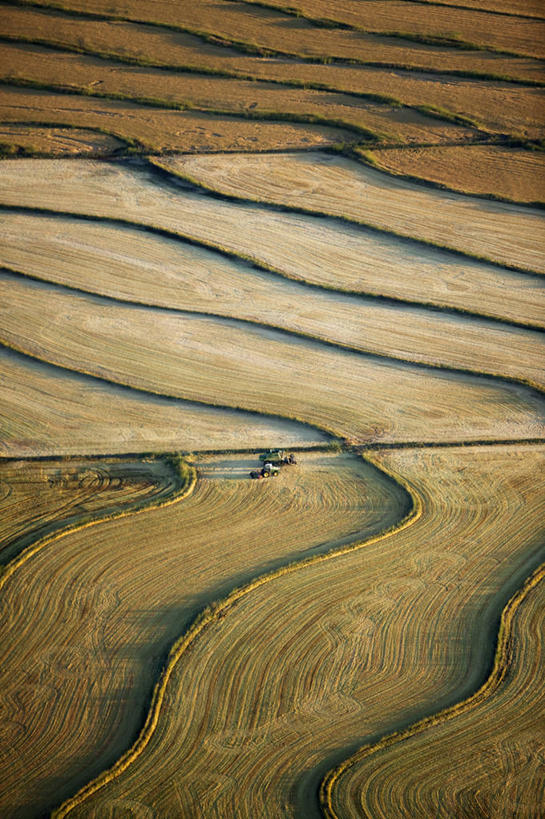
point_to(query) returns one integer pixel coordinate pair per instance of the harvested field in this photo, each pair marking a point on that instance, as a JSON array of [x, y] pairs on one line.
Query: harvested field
[[504, 730], [318, 251], [30, 138], [513, 34], [224, 362], [252, 99], [49, 411], [88, 653], [504, 234], [44, 496], [262, 31], [132, 266], [497, 106], [240, 733], [154, 129], [486, 170]]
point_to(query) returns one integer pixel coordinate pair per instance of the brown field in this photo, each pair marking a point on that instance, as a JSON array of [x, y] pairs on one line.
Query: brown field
[[504, 731], [503, 233], [57, 141], [152, 128], [129, 265], [264, 29], [48, 411], [482, 169], [321, 252], [239, 732], [520, 8], [222, 362], [87, 654], [227, 96], [498, 107], [513, 34], [40, 497]]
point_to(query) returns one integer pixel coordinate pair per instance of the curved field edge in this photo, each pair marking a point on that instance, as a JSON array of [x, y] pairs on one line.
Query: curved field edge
[[185, 177], [214, 612], [289, 332], [184, 480], [262, 265], [501, 663]]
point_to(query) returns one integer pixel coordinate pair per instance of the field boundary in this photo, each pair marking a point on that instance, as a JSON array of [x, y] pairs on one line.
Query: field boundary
[[215, 612], [284, 331], [500, 667], [185, 477]]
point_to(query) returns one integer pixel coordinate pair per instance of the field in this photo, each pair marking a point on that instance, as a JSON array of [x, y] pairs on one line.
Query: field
[[234, 225]]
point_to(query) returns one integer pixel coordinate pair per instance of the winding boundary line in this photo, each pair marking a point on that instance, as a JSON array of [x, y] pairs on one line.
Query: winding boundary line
[[322, 340], [501, 665], [213, 613], [263, 266], [185, 479]]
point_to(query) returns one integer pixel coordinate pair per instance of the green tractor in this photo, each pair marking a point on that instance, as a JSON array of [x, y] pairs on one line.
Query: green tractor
[[277, 457], [268, 470]]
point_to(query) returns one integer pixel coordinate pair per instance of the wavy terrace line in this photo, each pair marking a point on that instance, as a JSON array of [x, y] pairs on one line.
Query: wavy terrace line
[[248, 720], [334, 806], [232, 41], [254, 263], [527, 375]]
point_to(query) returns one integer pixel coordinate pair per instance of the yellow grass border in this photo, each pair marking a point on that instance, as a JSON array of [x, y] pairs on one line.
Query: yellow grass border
[[214, 612], [500, 667], [187, 478]]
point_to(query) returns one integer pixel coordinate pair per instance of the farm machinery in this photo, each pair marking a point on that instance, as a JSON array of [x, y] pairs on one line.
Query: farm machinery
[[271, 461]]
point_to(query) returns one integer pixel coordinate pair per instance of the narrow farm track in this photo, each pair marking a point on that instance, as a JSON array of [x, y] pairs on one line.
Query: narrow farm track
[[245, 366], [128, 266], [324, 252], [241, 733], [501, 233], [503, 725], [90, 650], [40, 497]]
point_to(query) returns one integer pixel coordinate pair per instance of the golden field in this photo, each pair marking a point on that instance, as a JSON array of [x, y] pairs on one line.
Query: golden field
[[229, 226]]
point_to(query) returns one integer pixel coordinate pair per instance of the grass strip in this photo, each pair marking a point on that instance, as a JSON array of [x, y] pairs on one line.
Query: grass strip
[[252, 49], [214, 612], [322, 341], [264, 267], [501, 663]]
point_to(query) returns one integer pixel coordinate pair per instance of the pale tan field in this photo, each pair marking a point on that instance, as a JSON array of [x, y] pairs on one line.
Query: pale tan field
[[483, 170], [264, 29], [154, 128], [525, 36], [318, 251], [221, 362], [498, 107], [87, 654], [226, 96], [335, 659], [47, 411], [39, 497], [131, 265], [432, 772], [505, 233]]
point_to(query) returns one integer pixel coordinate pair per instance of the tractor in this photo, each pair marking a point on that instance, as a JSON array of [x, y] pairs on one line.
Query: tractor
[[276, 457], [268, 470]]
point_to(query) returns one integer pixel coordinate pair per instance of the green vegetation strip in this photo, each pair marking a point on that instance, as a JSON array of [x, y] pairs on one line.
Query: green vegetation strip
[[211, 615], [245, 47], [264, 267], [321, 341], [502, 660]]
